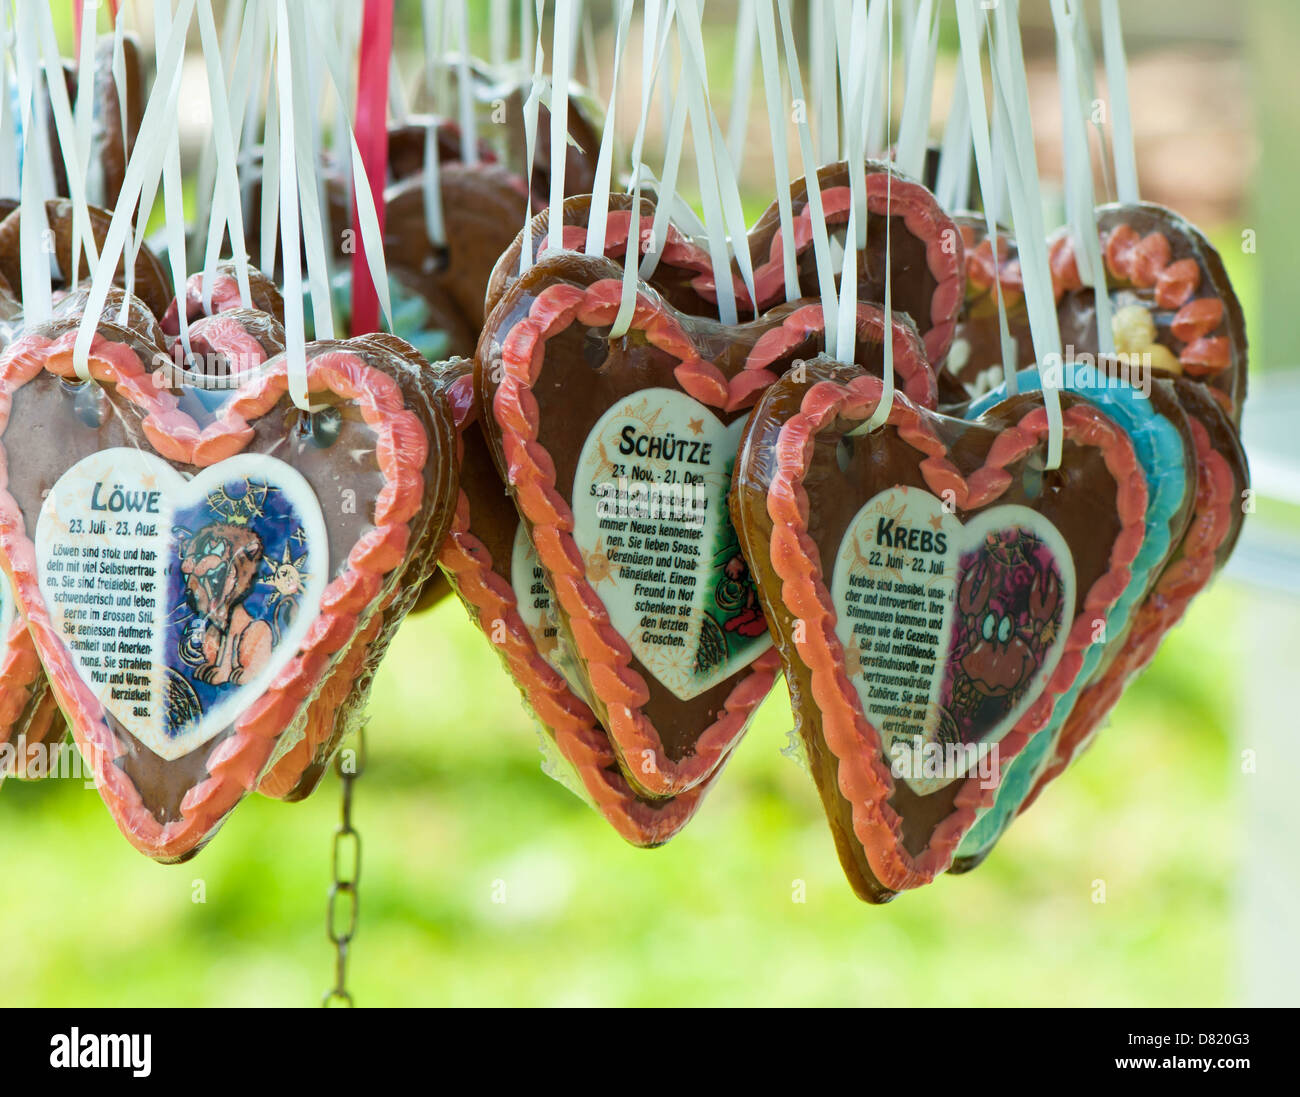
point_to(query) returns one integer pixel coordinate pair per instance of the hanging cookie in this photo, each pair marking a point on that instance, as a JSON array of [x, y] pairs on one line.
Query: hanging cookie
[[493, 567], [588, 430], [931, 588], [1162, 439], [140, 540], [1170, 295]]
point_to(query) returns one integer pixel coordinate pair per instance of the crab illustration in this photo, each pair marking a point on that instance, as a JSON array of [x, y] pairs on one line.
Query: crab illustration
[[1009, 605]]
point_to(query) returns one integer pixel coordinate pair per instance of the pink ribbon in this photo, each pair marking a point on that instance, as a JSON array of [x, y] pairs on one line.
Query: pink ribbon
[[372, 140]]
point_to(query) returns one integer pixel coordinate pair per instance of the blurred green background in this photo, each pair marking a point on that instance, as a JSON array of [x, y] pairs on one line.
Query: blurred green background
[[453, 801], [456, 814]]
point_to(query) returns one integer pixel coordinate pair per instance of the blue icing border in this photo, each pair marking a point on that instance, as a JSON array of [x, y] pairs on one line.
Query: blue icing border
[[1159, 448]]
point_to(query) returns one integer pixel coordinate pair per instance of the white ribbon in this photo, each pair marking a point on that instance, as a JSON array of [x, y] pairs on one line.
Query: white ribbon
[[465, 90], [434, 225], [8, 132], [531, 108], [914, 126], [34, 226], [561, 76], [1112, 40], [75, 163], [142, 175], [742, 82], [776, 120], [1080, 204], [226, 205], [654, 45], [598, 210], [1011, 96], [883, 407], [821, 238]]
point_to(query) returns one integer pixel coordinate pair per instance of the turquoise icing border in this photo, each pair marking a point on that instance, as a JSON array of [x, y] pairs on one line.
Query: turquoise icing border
[[1159, 448], [410, 315]]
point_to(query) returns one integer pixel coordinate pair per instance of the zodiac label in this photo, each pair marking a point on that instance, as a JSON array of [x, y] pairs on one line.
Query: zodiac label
[[178, 599], [651, 521], [949, 630]]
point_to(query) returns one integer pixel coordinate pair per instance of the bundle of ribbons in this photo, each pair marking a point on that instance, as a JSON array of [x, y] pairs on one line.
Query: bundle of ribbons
[[949, 473]]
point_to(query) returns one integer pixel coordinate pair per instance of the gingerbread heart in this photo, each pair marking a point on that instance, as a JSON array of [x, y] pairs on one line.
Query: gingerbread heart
[[1223, 479], [1162, 439], [494, 569], [974, 362], [136, 542], [152, 284], [339, 709], [233, 342], [927, 266], [587, 431], [931, 588], [1171, 297]]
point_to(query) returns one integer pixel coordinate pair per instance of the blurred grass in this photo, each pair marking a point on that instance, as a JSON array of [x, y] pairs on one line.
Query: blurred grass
[[454, 801]]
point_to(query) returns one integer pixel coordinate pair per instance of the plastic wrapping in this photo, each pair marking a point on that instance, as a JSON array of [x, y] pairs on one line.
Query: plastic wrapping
[[1222, 481], [619, 454], [494, 569], [1171, 296], [931, 588], [196, 555], [974, 362], [1162, 439]]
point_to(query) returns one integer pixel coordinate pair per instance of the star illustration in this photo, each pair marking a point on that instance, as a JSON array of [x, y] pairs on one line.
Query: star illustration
[[853, 664], [696, 426], [598, 564], [936, 522]]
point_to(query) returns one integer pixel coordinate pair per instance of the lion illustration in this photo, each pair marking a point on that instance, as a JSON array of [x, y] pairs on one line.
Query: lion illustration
[[220, 564]]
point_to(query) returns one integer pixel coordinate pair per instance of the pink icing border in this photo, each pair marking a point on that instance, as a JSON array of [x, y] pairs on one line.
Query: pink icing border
[[864, 778], [235, 765]]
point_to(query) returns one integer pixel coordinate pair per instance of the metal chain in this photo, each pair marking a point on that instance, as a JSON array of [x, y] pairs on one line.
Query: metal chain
[[344, 900]]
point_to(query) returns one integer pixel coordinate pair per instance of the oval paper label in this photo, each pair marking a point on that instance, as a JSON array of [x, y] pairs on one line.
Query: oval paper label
[[650, 517], [180, 600], [949, 630]]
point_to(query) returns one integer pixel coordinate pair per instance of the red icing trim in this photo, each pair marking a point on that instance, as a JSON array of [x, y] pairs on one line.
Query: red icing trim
[[573, 726], [236, 764], [1160, 611], [924, 219], [864, 777], [604, 652], [225, 296]]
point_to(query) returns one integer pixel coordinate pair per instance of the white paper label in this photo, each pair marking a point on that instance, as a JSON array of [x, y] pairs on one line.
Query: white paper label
[[949, 630], [650, 516], [180, 600]]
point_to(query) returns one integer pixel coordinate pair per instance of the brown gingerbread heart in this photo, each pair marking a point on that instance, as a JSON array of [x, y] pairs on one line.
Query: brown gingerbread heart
[[930, 586], [587, 430], [149, 522]]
